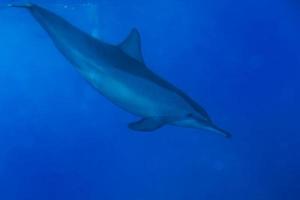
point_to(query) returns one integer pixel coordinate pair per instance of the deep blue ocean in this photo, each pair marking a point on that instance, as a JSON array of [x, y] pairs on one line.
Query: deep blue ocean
[[61, 140]]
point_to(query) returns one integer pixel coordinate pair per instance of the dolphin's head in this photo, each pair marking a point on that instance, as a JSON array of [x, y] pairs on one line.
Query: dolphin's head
[[200, 121]]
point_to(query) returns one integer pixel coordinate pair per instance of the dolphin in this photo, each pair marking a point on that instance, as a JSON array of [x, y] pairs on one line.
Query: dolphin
[[119, 73]]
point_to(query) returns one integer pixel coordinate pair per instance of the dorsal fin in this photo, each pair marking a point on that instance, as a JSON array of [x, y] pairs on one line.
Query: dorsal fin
[[132, 45]]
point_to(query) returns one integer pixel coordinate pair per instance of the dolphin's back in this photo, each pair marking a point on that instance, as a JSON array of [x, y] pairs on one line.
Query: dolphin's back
[[68, 37]]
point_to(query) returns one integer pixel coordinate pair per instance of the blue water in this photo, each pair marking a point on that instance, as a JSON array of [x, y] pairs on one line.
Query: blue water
[[60, 139]]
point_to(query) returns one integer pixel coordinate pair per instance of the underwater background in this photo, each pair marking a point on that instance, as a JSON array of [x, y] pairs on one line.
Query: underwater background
[[60, 139]]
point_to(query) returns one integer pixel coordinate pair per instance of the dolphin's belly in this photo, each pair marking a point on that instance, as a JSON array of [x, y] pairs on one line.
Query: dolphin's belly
[[137, 95]]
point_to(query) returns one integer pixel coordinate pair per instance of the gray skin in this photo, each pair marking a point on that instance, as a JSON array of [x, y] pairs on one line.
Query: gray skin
[[119, 73]]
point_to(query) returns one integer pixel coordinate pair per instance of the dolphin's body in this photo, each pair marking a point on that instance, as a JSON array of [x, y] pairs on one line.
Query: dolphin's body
[[119, 73]]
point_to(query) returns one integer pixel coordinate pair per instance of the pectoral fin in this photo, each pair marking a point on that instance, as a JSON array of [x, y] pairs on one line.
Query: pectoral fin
[[147, 124]]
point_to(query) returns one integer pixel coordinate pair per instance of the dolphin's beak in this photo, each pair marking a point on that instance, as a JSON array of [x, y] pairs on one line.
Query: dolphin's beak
[[209, 125], [216, 129]]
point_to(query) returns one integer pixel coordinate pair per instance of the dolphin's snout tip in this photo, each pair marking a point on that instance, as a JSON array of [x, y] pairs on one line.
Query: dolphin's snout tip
[[227, 135]]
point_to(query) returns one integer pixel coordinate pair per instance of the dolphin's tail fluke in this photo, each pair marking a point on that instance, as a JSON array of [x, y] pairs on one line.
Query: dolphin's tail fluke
[[16, 5], [19, 5]]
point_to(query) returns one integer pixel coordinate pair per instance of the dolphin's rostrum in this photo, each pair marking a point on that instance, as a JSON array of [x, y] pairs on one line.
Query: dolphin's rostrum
[[119, 73]]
